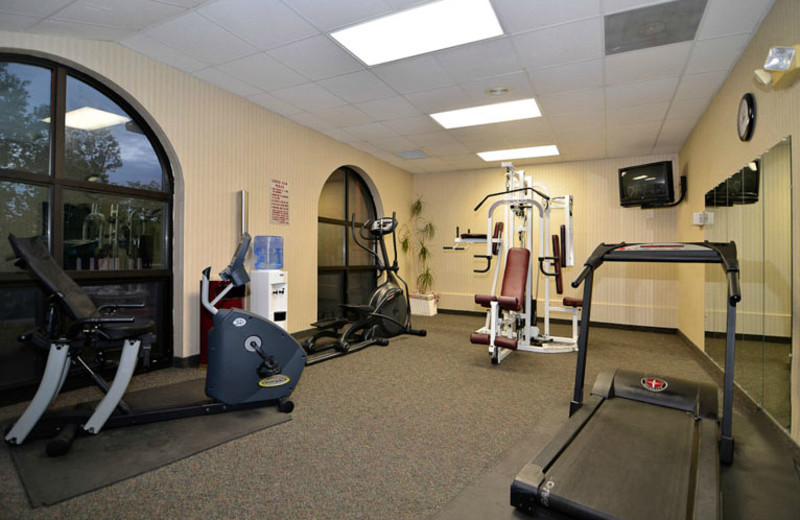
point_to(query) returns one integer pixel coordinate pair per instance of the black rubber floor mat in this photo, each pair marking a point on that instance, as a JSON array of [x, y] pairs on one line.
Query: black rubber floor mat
[[118, 454]]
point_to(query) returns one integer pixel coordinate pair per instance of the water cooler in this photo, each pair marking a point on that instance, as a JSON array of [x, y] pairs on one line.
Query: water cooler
[[269, 288]]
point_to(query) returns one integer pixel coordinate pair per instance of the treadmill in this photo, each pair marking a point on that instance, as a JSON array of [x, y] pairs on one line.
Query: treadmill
[[642, 445]]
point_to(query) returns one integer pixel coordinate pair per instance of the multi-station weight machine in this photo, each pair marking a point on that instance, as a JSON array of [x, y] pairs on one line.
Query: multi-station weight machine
[[511, 318]]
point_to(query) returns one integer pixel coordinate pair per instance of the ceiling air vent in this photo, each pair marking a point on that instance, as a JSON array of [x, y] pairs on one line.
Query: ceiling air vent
[[661, 24]]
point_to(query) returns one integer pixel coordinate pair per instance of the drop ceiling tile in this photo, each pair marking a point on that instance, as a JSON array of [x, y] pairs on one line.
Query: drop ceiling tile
[[393, 144], [592, 132], [37, 8], [637, 114], [578, 41], [226, 82], [429, 165], [263, 71], [274, 104], [311, 121], [688, 108], [635, 133], [340, 135], [517, 16], [644, 64], [573, 76], [16, 22], [370, 131], [133, 14], [678, 127], [412, 125], [652, 91], [356, 87], [726, 17], [346, 115], [201, 39], [518, 82], [414, 74], [572, 102], [581, 150], [83, 31], [156, 50], [345, 12], [628, 149], [390, 108], [536, 127], [437, 137], [480, 60], [703, 85], [309, 97], [366, 147], [576, 120], [185, 3], [316, 58], [468, 161], [445, 149], [486, 144], [247, 19], [440, 99], [716, 54]]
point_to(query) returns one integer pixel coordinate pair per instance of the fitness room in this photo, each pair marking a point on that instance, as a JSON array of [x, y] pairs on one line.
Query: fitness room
[[402, 259]]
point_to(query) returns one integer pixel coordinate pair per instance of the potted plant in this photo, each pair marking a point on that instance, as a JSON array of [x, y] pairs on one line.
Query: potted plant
[[416, 239]]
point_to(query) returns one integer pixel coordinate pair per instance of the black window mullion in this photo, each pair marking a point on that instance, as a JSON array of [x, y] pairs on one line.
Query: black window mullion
[[59, 103]]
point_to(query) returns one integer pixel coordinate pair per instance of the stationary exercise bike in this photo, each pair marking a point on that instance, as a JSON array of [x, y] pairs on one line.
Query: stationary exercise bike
[[251, 361], [388, 313]]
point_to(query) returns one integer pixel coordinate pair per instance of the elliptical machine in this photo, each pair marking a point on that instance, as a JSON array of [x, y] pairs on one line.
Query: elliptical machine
[[386, 315], [252, 362]]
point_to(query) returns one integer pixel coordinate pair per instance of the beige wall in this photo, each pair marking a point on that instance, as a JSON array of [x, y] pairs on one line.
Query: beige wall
[[713, 152], [637, 294], [223, 144]]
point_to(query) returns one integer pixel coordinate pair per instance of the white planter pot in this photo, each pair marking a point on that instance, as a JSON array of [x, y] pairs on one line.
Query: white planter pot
[[423, 304]]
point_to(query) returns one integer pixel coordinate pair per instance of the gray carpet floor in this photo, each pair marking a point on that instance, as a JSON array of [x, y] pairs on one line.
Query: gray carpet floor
[[390, 432]]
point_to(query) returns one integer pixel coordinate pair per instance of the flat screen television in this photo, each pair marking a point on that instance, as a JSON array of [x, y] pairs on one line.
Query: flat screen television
[[646, 184]]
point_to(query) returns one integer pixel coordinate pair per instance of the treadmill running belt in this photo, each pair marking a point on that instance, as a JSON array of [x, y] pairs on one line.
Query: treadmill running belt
[[632, 461]]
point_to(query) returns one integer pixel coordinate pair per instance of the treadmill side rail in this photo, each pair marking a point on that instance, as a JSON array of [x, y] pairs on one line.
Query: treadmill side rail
[[528, 489]]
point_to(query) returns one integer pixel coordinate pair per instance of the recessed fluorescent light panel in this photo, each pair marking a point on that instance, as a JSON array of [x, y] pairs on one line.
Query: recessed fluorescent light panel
[[486, 114], [88, 118], [519, 153], [427, 28]]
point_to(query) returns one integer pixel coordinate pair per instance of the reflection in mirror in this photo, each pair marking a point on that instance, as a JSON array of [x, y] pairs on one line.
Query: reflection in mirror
[[753, 208]]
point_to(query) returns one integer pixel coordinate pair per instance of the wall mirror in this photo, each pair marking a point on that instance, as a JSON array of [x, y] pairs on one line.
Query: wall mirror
[[753, 208]]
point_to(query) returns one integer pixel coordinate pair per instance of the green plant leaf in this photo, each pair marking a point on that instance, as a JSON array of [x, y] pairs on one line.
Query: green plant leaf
[[416, 208]]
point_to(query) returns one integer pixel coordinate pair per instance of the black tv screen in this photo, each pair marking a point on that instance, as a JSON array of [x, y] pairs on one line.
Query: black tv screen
[[646, 184]]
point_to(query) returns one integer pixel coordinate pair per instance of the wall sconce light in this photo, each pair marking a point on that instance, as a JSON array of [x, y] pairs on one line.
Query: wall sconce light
[[780, 68]]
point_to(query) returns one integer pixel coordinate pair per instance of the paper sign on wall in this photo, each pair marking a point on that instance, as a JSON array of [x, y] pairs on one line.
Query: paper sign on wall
[[279, 202]]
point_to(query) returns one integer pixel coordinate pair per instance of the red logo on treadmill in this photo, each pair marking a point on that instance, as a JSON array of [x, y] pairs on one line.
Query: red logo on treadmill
[[654, 384]]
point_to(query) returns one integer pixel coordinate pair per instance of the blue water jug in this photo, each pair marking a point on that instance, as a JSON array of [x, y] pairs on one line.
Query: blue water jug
[[269, 252]]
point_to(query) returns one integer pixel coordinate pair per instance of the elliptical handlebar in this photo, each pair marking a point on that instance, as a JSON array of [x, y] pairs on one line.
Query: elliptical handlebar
[[235, 274]]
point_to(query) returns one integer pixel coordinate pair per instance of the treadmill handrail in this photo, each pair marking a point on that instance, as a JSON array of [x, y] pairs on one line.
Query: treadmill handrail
[[686, 252], [711, 253]]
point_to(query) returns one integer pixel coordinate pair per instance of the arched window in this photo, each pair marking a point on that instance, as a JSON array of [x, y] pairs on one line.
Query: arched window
[[346, 273], [80, 167]]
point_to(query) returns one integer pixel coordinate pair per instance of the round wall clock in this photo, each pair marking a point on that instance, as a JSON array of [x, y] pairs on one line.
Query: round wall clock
[[746, 120]]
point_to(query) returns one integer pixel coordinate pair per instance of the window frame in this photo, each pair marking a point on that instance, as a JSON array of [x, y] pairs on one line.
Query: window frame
[[346, 268], [57, 184]]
